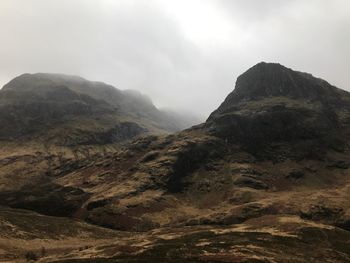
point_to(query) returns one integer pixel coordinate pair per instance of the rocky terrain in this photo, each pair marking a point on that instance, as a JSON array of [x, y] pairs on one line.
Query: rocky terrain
[[264, 179]]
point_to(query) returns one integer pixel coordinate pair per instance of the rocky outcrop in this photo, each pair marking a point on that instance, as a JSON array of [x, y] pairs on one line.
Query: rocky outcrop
[[47, 198], [119, 133], [272, 104], [266, 80]]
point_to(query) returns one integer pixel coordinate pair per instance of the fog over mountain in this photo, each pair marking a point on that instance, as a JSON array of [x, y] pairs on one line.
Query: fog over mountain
[[189, 131], [183, 54]]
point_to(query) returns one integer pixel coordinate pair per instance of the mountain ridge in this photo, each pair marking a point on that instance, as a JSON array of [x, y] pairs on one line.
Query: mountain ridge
[[267, 172], [58, 98]]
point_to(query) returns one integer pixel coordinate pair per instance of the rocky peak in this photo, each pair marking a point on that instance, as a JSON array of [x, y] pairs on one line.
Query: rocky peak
[[265, 80], [274, 104]]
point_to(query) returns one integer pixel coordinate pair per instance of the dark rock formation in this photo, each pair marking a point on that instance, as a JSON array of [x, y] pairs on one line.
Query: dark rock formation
[[250, 182], [274, 80], [274, 104], [119, 133], [48, 198], [25, 113]]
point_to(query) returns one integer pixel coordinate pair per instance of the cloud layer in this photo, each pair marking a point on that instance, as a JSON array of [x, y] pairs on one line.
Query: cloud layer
[[184, 54]]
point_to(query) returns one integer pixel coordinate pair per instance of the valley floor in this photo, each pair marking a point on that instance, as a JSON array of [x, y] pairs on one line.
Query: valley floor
[[300, 215], [271, 238]]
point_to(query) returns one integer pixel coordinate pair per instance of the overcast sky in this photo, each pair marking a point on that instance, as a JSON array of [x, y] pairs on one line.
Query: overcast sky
[[184, 54]]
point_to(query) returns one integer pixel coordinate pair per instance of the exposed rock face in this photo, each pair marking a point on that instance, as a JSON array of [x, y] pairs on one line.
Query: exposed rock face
[[48, 199], [119, 133], [274, 80], [274, 104]]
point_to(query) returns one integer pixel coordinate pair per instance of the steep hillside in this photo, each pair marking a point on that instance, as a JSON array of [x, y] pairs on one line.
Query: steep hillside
[[273, 105], [267, 172], [69, 110]]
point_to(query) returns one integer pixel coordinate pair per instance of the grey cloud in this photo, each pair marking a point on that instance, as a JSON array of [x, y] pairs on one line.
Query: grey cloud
[[138, 44]]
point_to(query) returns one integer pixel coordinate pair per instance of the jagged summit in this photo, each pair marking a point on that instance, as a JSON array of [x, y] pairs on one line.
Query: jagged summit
[[266, 80]]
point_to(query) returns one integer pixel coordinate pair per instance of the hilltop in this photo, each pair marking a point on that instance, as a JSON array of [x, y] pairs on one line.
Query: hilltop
[[69, 111]]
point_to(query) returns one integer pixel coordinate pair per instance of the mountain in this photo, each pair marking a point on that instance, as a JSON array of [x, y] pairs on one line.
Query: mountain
[[272, 104], [69, 110], [264, 179], [274, 80]]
